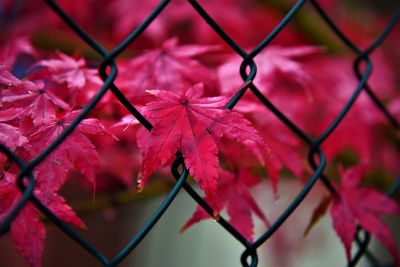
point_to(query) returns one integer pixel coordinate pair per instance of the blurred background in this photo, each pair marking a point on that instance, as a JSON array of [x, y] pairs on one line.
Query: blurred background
[[205, 244], [118, 212]]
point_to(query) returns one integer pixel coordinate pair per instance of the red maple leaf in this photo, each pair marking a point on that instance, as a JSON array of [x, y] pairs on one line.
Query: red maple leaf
[[75, 153], [354, 205], [73, 72], [233, 193], [191, 124], [80, 82], [170, 67], [27, 231]]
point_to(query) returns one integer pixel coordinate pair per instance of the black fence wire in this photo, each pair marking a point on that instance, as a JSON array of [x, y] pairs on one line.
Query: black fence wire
[[317, 160]]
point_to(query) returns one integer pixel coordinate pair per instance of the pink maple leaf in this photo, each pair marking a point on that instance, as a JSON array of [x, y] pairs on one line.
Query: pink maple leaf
[[170, 67], [191, 124], [278, 68], [73, 72], [80, 82], [9, 134], [34, 99], [8, 80]]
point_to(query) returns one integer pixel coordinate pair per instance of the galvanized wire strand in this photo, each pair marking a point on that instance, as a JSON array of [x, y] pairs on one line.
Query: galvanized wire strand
[[362, 248]]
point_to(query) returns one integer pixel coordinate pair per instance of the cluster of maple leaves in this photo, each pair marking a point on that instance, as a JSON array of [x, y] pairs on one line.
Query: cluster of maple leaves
[[182, 86]]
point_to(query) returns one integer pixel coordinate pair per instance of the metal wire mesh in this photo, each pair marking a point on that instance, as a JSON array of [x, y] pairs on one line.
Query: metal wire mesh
[[317, 160]]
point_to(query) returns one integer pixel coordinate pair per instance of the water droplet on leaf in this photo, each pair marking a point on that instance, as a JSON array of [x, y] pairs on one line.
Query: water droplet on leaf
[[216, 216]]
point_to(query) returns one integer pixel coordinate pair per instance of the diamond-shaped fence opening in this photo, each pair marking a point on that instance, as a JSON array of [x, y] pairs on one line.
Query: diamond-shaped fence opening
[[17, 169]]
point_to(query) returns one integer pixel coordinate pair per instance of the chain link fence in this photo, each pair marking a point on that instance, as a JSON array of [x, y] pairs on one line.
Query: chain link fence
[[316, 158]]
